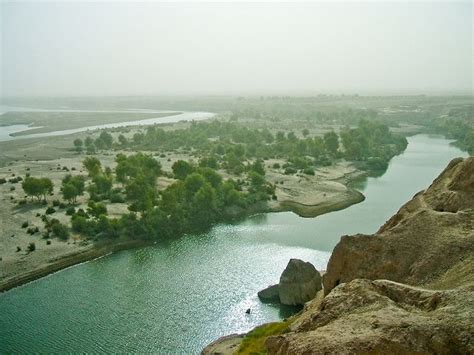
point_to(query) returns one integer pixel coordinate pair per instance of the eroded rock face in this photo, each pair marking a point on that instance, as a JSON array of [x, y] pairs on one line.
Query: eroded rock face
[[299, 283], [429, 235], [384, 317], [426, 250]]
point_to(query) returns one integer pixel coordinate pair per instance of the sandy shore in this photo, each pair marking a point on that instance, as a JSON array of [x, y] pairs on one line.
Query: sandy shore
[[91, 252]]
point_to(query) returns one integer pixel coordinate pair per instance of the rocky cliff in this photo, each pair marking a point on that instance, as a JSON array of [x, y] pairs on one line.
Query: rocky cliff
[[409, 288]]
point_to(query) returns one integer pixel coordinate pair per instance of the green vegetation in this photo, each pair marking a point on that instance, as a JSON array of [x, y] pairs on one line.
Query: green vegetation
[[37, 187], [459, 125], [78, 145], [254, 341], [193, 203], [72, 187], [372, 142], [31, 247]]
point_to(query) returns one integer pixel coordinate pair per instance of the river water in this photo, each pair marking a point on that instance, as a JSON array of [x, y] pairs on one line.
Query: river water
[[179, 296], [7, 130]]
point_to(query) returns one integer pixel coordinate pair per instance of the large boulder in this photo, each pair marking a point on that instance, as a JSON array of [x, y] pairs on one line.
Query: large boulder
[[299, 283], [270, 294]]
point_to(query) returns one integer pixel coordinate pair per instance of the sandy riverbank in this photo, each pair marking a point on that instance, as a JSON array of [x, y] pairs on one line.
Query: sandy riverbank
[[62, 261]]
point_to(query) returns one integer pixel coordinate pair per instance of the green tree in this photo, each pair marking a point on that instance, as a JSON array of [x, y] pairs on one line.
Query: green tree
[[258, 167], [92, 166], [331, 142], [181, 169], [78, 144], [203, 209], [37, 187], [141, 194], [72, 187]]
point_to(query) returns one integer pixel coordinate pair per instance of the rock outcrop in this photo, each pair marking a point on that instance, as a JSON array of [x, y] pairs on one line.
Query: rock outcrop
[[270, 294], [299, 283], [427, 237], [409, 288]]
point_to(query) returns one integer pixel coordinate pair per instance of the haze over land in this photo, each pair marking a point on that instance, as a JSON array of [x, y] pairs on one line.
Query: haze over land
[[116, 48]]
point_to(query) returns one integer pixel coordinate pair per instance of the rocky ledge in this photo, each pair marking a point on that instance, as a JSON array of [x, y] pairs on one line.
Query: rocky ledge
[[299, 283], [409, 288]]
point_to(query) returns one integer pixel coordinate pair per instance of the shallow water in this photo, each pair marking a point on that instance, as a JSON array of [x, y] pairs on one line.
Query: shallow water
[[179, 296]]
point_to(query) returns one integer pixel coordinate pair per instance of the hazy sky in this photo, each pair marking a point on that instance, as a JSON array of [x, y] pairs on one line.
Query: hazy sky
[[131, 48]]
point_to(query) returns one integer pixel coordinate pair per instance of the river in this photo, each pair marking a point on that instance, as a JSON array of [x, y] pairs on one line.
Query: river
[[179, 296], [6, 131]]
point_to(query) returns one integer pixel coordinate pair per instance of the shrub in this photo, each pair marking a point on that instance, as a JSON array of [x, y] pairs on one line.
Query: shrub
[[18, 249], [60, 230], [276, 166], [48, 242], [24, 224], [22, 202], [56, 203], [116, 198], [32, 230], [2, 181], [50, 210], [31, 247], [290, 171], [70, 211], [308, 171]]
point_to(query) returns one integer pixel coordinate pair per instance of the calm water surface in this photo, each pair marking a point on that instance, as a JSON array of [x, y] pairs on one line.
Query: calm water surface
[[179, 296]]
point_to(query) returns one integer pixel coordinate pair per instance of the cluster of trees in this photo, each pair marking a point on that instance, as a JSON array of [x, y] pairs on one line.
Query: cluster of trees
[[458, 125], [373, 143], [104, 141], [198, 199], [229, 145]]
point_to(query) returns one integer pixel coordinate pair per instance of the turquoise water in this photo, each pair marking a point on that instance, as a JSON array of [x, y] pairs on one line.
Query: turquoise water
[[179, 296]]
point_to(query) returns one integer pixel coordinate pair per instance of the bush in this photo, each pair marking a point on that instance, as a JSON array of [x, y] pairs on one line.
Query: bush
[[276, 166], [116, 198], [24, 224], [22, 202], [31, 247], [2, 181], [56, 203], [18, 249], [308, 171], [290, 171], [48, 242], [50, 210], [70, 211], [32, 230], [60, 230]]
